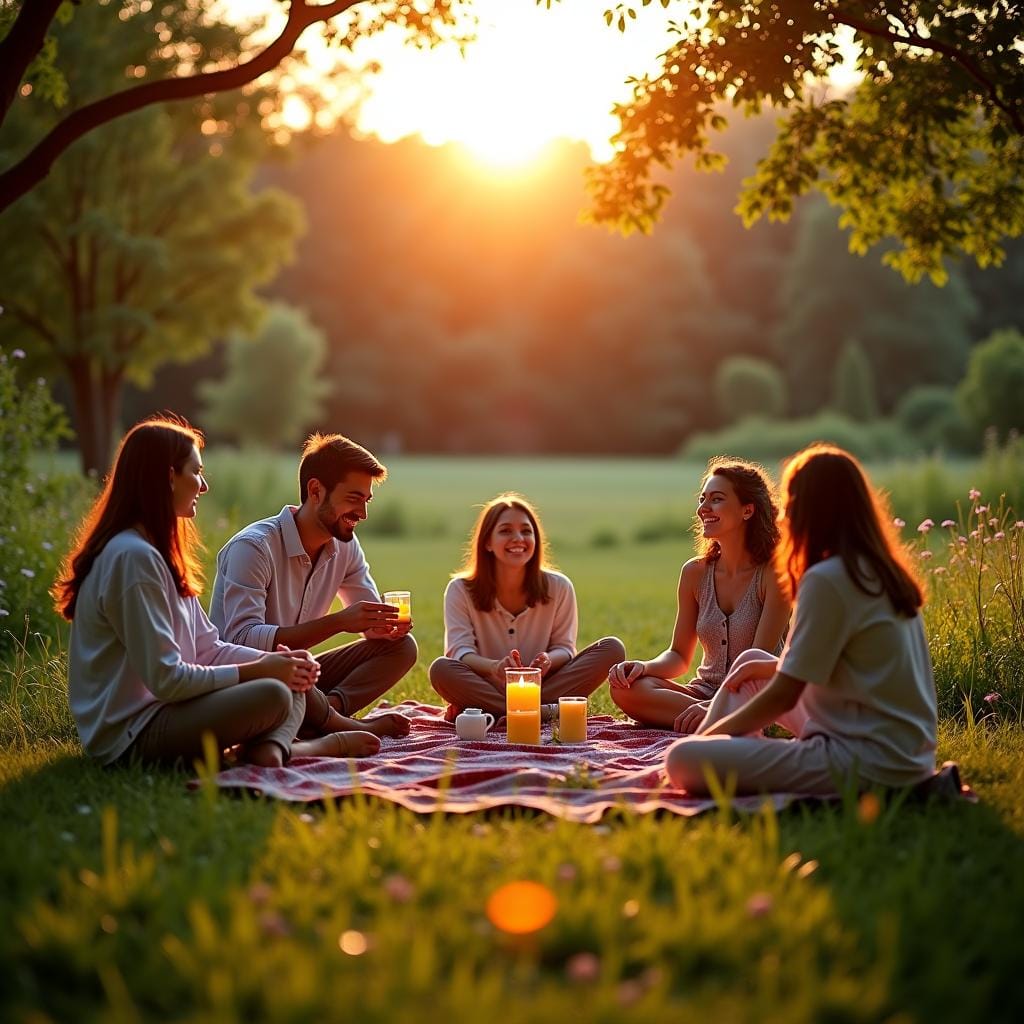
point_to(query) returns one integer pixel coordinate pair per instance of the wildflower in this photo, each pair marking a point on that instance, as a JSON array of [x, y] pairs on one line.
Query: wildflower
[[947, 523], [992, 698], [899, 523], [925, 526], [260, 893], [1019, 525], [521, 907], [760, 904], [566, 872], [939, 570], [4, 613], [583, 967], [993, 521], [47, 546], [926, 554], [18, 353], [975, 534], [630, 992], [998, 536], [353, 943], [868, 808], [981, 510], [974, 494], [611, 864], [399, 888], [28, 574]]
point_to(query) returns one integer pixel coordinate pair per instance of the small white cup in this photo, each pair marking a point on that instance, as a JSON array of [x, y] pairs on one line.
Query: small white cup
[[473, 724]]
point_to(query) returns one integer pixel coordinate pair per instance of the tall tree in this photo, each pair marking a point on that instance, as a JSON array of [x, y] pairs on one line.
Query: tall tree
[[927, 150], [142, 246], [912, 334], [273, 386], [853, 390]]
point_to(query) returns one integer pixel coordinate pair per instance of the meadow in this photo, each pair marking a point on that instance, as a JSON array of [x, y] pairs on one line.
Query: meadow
[[127, 898]]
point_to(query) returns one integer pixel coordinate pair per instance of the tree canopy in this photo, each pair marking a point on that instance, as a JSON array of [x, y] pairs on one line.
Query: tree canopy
[[144, 243], [927, 150]]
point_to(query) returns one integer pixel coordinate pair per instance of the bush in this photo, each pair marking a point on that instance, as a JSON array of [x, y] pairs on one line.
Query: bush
[[37, 510], [755, 438], [990, 393], [854, 385], [749, 387], [932, 417]]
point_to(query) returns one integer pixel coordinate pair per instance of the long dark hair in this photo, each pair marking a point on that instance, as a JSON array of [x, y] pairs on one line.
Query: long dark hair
[[753, 486], [832, 509], [136, 493], [478, 568]]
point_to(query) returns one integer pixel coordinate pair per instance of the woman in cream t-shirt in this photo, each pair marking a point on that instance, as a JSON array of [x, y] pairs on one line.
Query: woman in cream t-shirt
[[854, 683]]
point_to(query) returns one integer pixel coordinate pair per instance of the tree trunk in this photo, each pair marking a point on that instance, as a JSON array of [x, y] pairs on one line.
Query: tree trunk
[[89, 405]]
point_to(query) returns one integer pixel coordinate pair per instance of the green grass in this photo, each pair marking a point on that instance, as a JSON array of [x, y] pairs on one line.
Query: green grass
[[127, 898]]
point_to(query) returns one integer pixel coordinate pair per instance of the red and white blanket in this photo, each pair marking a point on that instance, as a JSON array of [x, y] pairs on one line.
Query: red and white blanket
[[619, 766]]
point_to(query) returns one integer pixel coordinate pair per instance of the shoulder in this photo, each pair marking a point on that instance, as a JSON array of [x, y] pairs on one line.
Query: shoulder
[[692, 573], [558, 582], [457, 590], [259, 533], [133, 558], [827, 578]]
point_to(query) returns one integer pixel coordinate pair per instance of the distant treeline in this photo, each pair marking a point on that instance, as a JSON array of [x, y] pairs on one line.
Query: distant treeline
[[467, 313]]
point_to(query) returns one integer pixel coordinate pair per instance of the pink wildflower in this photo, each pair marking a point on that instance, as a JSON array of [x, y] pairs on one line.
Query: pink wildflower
[[998, 536], [948, 522], [973, 494], [759, 904], [899, 523], [925, 526], [583, 968], [992, 698], [926, 554], [981, 510], [939, 570], [399, 888]]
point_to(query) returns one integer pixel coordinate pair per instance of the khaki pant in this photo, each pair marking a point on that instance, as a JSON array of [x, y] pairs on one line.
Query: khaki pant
[[251, 712], [458, 684], [755, 763], [359, 673]]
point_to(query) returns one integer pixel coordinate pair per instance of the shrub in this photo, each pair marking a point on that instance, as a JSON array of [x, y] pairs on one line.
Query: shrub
[[757, 439], [37, 510], [932, 417], [854, 387], [749, 387], [990, 393]]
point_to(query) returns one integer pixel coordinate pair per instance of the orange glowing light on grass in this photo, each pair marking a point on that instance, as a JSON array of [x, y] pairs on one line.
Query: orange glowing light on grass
[[521, 907]]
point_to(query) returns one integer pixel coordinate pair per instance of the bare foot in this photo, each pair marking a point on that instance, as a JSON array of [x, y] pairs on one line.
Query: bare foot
[[338, 744], [390, 723]]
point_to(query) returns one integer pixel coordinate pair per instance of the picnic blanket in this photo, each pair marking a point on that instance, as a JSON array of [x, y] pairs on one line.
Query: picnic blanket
[[430, 770]]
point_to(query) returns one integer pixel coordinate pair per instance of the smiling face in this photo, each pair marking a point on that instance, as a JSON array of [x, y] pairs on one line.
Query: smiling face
[[341, 510], [513, 540], [187, 485], [719, 509]]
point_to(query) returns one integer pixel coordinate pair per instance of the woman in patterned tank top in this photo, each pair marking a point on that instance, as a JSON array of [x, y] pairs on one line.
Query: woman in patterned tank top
[[729, 599]]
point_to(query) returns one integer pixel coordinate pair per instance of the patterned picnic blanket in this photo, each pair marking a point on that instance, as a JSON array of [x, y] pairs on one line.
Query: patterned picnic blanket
[[431, 769]]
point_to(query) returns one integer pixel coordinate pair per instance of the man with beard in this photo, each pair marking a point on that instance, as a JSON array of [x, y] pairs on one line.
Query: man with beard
[[277, 578]]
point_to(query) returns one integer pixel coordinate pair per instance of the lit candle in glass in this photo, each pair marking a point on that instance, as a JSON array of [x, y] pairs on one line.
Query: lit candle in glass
[[572, 719], [524, 726], [402, 600], [522, 690]]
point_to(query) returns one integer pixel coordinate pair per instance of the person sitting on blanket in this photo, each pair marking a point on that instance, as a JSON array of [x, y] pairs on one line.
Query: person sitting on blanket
[[854, 682], [728, 599], [277, 578], [148, 677], [508, 608]]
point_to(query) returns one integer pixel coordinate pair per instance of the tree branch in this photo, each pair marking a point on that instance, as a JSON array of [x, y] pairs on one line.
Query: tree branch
[[968, 63], [21, 45], [35, 165]]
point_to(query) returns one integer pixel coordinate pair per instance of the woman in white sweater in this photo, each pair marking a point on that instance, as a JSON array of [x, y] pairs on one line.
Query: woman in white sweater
[[148, 677]]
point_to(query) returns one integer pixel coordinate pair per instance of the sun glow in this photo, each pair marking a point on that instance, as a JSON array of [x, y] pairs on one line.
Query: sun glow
[[532, 75]]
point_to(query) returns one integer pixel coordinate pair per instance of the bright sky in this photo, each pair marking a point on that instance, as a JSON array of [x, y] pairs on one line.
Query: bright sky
[[532, 75]]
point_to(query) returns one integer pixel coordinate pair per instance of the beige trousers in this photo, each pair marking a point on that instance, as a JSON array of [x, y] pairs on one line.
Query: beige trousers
[[458, 684]]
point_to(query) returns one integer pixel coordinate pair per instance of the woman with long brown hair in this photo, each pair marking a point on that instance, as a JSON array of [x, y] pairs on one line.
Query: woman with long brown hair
[[148, 677], [508, 608], [728, 599], [854, 682]]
